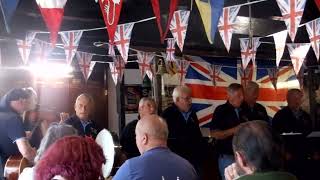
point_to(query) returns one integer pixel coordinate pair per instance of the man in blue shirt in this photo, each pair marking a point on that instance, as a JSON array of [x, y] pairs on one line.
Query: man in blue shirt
[[156, 160], [13, 139], [81, 120]]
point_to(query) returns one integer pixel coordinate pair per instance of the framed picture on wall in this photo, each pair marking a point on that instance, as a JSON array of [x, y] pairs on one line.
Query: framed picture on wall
[[133, 94]]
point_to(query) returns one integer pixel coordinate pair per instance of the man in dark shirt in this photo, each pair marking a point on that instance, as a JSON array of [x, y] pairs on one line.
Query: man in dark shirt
[[185, 138], [13, 139], [81, 121], [225, 122], [250, 108], [292, 118], [147, 106]]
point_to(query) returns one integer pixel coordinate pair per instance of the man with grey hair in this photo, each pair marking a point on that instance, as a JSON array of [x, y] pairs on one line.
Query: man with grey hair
[[82, 120], [147, 106], [156, 160], [185, 137], [251, 109], [225, 122]]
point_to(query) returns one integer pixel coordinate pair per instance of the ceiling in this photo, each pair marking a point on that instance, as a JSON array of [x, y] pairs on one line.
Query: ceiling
[[86, 14]]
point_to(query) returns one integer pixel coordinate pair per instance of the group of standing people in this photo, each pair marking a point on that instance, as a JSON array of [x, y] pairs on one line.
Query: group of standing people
[[185, 138]]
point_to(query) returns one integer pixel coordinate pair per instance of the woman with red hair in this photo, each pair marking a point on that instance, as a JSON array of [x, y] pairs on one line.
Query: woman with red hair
[[72, 158]]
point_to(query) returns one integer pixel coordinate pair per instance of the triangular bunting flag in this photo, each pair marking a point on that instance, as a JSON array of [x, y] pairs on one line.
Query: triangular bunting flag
[[111, 12], [44, 49], [122, 39], [318, 3], [210, 12], [92, 64], [249, 53], [246, 74], [170, 50], [84, 60], [71, 41], [292, 11], [226, 24], [156, 11], [182, 69], [313, 29], [214, 73], [178, 27], [300, 76], [24, 46], [280, 44], [145, 64], [111, 51], [120, 66], [298, 53], [273, 75], [52, 12], [114, 73]]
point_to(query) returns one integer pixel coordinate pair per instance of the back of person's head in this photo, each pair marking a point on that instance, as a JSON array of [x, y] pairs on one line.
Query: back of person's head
[[54, 132], [72, 157], [258, 147], [151, 131]]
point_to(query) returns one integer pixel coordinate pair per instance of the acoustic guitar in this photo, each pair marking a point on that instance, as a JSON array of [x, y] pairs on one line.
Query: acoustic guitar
[[14, 167]]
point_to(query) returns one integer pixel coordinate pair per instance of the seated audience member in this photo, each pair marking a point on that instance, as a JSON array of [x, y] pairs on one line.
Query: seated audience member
[[147, 106], [156, 160], [292, 118], [258, 154], [55, 132], [71, 158], [82, 120]]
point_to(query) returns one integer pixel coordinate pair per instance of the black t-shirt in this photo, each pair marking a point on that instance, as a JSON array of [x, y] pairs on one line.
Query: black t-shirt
[[258, 112], [225, 117], [128, 140], [90, 129], [11, 129]]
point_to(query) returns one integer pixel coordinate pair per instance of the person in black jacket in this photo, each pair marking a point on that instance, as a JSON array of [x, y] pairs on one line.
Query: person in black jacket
[[147, 106], [250, 108], [185, 138], [82, 121], [292, 118]]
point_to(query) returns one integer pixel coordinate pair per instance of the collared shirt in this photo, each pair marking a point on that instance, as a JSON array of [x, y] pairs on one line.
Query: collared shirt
[[186, 115], [157, 163], [85, 124], [226, 117]]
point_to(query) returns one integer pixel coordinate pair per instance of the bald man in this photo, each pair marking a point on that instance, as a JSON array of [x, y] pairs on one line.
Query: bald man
[[156, 160], [82, 121], [147, 106]]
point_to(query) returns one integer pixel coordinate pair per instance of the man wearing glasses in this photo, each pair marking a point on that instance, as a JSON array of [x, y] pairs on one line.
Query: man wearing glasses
[[185, 138]]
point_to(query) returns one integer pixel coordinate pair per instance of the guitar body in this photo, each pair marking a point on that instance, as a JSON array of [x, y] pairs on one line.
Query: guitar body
[[14, 166]]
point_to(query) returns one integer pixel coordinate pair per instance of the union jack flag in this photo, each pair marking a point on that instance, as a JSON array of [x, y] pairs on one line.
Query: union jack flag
[[24, 46], [206, 97], [71, 41], [226, 24], [122, 39], [182, 69], [117, 68], [249, 53], [298, 52], [178, 26], [44, 49], [273, 75], [292, 11], [84, 60], [214, 72], [170, 50], [313, 29], [111, 49], [245, 74], [300, 76], [145, 63]]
